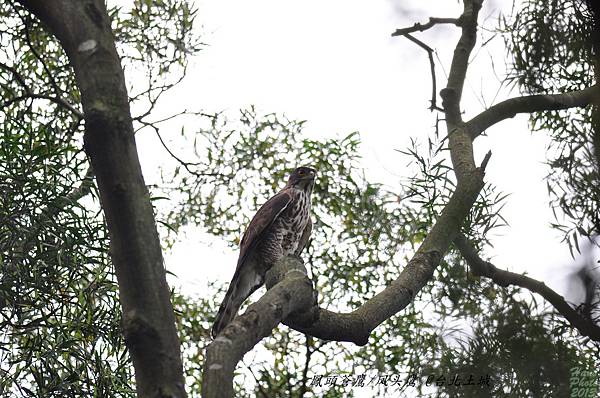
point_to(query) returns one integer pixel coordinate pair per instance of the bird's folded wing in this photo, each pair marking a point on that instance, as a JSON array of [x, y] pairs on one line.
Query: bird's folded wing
[[263, 219]]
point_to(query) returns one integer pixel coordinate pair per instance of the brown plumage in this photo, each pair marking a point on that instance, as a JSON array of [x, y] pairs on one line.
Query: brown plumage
[[281, 227]]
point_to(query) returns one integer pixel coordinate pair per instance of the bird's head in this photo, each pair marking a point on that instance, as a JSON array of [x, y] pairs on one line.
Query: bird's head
[[302, 178]]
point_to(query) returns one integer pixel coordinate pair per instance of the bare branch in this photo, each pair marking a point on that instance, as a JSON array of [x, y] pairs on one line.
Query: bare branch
[[429, 50], [188, 166], [529, 104], [309, 351], [505, 278], [26, 23], [29, 94], [357, 326], [56, 100], [485, 161], [418, 27], [153, 94], [18, 77], [246, 330]]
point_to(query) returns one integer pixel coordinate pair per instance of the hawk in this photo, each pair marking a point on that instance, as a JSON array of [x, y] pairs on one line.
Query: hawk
[[281, 227]]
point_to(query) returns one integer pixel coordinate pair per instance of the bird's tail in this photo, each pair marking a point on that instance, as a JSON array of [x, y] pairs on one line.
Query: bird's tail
[[227, 311], [242, 285]]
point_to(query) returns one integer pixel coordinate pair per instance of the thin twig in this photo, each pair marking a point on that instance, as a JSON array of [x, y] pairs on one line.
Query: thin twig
[[187, 165], [161, 89], [163, 143], [429, 50], [485, 161], [18, 77], [309, 352], [262, 390], [26, 24], [418, 27], [56, 100], [29, 93], [184, 112]]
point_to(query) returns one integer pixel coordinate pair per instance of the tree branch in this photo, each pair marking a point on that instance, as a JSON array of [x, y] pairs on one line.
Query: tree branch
[[26, 23], [59, 204], [52, 210], [293, 292], [304, 380], [84, 31], [18, 77], [56, 100], [188, 166], [357, 325], [433, 105], [452, 94], [529, 104], [418, 27], [505, 278], [246, 330], [29, 94]]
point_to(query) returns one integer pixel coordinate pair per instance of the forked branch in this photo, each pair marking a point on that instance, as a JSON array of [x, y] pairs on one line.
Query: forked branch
[[246, 330], [418, 27], [298, 309]]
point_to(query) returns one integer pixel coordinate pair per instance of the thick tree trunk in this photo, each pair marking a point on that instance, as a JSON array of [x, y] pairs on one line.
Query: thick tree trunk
[[83, 29]]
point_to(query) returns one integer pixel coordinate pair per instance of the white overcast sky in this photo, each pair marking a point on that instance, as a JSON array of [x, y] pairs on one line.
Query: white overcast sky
[[334, 64]]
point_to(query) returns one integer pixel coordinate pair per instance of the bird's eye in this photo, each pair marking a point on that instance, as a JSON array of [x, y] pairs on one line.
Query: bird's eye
[[301, 172]]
